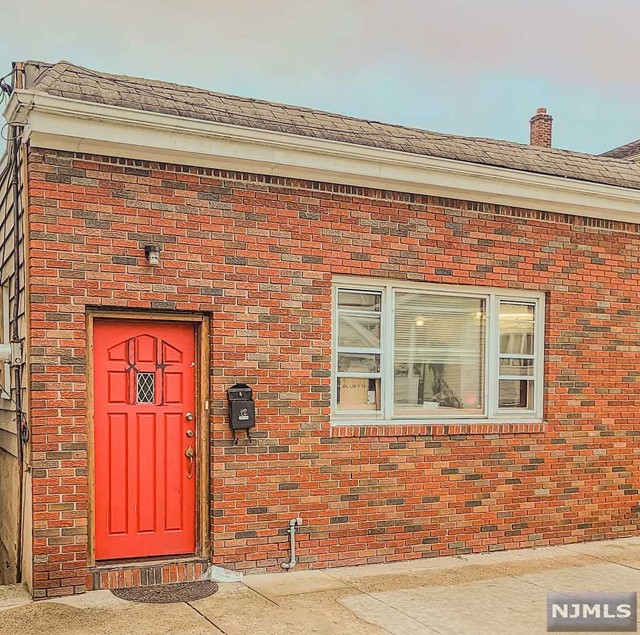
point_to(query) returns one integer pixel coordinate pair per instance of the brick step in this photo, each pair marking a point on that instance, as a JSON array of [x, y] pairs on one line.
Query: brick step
[[132, 575]]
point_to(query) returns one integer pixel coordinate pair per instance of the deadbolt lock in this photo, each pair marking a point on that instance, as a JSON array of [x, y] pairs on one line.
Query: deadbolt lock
[[189, 416], [189, 433]]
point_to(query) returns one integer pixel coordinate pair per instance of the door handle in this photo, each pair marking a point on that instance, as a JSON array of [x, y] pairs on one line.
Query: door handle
[[189, 453]]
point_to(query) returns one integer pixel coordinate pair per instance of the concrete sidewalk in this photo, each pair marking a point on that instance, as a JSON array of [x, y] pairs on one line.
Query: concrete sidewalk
[[492, 594]]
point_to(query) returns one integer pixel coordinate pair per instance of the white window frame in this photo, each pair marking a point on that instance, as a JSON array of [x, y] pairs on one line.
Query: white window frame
[[492, 298], [366, 351]]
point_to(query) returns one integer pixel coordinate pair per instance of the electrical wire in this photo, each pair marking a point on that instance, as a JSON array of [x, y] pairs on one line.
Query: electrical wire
[[7, 75], [5, 235], [5, 89], [8, 139]]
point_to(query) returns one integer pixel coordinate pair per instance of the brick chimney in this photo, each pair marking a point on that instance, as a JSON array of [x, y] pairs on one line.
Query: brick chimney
[[541, 128]]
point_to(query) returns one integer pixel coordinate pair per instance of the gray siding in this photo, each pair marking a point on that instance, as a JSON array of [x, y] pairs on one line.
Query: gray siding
[[10, 240]]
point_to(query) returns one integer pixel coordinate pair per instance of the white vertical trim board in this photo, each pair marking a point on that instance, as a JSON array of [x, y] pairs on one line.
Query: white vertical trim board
[[5, 386]]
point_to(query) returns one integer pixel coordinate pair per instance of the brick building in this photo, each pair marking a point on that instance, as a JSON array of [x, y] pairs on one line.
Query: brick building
[[441, 334]]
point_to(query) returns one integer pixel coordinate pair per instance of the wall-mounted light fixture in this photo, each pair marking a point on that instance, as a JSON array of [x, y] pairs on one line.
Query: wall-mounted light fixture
[[152, 252]]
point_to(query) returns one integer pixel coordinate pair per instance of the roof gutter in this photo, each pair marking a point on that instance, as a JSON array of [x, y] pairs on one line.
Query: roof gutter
[[79, 126]]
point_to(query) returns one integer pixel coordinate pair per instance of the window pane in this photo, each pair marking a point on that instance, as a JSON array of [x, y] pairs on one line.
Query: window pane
[[145, 387], [516, 328], [357, 394], [438, 354], [358, 363], [359, 300], [358, 331], [513, 367], [516, 393]]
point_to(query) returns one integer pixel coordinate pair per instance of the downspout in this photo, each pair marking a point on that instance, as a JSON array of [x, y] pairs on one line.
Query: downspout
[[15, 337], [21, 428]]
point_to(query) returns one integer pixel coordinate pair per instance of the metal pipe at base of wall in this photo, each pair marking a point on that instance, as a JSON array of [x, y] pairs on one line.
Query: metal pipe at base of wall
[[291, 530]]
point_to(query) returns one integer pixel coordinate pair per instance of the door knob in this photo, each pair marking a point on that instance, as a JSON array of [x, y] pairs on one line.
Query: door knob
[[189, 453]]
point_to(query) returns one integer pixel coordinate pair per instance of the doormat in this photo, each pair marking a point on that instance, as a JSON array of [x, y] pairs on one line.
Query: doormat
[[168, 593]]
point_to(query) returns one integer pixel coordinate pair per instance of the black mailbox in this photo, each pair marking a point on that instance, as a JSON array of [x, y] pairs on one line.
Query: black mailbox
[[242, 408]]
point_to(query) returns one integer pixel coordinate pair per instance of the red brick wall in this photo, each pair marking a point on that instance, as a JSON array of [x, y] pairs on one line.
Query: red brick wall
[[258, 254]]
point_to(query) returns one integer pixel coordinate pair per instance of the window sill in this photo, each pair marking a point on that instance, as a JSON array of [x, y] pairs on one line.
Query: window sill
[[434, 429]]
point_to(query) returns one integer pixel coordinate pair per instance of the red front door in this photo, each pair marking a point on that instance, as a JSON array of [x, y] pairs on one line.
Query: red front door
[[144, 419]]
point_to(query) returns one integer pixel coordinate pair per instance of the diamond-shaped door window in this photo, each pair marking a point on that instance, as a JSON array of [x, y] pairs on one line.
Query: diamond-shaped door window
[[145, 387]]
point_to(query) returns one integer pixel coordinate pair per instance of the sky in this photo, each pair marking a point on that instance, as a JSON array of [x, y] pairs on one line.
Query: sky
[[471, 67]]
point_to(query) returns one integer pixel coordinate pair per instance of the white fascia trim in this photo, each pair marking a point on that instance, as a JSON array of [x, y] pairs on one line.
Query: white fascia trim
[[79, 126]]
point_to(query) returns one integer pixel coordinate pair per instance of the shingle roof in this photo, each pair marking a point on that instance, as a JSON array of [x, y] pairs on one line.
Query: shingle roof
[[67, 80], [627, 151]]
